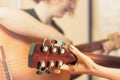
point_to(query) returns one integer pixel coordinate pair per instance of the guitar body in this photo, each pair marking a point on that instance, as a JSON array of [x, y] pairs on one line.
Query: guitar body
[[16, 49]]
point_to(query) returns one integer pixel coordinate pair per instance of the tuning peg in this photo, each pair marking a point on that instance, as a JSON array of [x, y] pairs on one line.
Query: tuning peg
[[39, 71], [61, 49], [59, 64], [48, 71], [41, 66], [61, 43], [50, 64], [53, 49], [44, 47], [54, 41]]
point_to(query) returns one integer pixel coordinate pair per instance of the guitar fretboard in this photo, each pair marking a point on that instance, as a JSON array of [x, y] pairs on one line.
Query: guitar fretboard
[[90, 47], [5, 70]]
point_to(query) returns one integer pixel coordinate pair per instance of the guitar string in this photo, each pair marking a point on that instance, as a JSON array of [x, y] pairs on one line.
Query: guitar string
[[13, 71], [18, 62], [16, 70], [5, 63], [12, 67], [11, 62], [21, 62]]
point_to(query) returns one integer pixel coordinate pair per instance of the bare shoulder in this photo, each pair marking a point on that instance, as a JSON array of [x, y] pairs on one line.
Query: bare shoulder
[[12, 12], [7, 9], [7, 13], [4, 11]]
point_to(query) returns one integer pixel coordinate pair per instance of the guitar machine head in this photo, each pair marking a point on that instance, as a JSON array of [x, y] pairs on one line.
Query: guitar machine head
[[49, 56]]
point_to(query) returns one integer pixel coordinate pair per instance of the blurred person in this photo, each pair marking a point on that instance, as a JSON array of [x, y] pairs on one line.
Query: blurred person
[[21, 27]]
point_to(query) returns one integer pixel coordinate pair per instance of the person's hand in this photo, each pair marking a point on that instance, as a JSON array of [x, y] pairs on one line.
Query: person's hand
[[83, 65], [108, 46]]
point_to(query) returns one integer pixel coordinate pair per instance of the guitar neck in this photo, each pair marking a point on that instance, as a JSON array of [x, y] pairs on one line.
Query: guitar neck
[[105, 60], [92, 46]]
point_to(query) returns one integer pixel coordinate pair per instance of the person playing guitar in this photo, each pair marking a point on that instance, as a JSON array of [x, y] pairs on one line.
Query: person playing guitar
[[18, 30]]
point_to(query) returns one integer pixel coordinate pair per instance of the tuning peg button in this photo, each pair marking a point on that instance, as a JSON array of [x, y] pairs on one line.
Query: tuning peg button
[[50, 64], [60, 63], [58, 71], [42, 64], [53, 49], [48, 71], [61, 43], [44, 48], [41, 67], [39, 72], [61, 50]]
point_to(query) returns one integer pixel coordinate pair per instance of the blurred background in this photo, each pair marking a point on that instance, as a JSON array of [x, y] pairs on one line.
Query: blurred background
[[93, 20]]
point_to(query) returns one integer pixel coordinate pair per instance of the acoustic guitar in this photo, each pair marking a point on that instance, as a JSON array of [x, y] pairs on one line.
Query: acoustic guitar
[[14, 50], [45, 56]]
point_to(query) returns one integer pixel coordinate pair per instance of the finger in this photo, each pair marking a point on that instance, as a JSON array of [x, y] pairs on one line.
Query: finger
[[80, 56], [105, 51], [105, 48], [109, 46], [76, 52], [65, 67]]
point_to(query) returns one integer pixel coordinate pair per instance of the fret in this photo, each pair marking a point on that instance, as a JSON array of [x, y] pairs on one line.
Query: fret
[[4, 65]]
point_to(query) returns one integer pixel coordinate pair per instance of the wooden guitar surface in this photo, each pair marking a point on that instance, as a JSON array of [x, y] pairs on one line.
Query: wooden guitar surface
[[16, 49]]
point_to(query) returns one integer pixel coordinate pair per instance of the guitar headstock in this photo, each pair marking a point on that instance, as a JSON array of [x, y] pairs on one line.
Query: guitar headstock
[[48, 56], [115, 38]]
